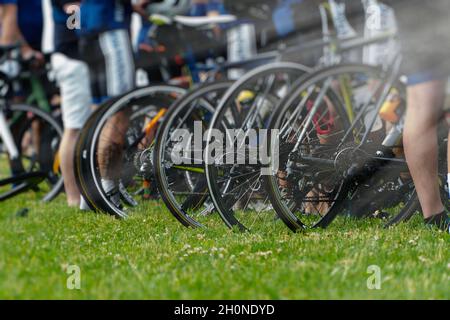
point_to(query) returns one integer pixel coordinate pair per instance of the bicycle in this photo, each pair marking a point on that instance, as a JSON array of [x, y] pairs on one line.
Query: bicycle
[[249, 90]]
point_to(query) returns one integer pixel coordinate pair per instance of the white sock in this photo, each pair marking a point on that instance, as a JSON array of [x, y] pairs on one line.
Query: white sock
[[83, 205]]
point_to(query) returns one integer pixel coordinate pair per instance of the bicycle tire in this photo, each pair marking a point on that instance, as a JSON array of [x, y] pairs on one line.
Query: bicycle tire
[[202, 103], [87, 174], [245, 83], [47, 145], [290, 219]]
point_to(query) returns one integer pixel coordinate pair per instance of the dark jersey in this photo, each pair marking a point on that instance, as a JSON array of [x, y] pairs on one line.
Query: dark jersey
[[65, 38], [103, 15], [30, 20]]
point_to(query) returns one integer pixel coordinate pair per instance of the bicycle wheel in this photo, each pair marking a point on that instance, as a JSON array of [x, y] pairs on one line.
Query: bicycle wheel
[[182, 184], [81, 168], [234, 177], [324, 169], [113, 157], [37, 136]]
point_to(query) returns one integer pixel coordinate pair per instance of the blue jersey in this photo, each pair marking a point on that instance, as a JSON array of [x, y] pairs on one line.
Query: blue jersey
[[143, 33], [202, 9], [30, 20], [283, 17], [104, 15]]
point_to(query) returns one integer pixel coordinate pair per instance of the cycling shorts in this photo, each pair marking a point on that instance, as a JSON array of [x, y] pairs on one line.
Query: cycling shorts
[[425, 39], [110, 59]]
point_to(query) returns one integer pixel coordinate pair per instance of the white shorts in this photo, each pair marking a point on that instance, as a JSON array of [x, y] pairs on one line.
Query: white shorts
[[73, 80]]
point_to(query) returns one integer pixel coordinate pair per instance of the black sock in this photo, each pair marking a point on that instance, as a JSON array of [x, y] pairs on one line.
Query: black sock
[[440, 220]]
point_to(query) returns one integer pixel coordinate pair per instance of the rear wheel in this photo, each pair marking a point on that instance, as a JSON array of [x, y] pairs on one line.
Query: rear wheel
[[323, 168]]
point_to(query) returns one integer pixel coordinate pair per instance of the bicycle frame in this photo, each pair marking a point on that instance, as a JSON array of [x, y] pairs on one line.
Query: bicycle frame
[[7, 138], [391, 78]]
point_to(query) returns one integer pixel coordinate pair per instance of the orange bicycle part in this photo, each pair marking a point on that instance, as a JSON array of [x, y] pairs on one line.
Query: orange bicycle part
[[149, 127], [56, 163]]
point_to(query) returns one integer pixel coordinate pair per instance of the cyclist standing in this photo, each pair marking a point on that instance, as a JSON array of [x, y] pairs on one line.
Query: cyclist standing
[[71, 74], [425, 36], [106, 47]]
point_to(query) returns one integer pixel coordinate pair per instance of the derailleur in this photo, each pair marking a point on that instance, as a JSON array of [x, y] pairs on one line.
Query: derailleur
[[143, 162]]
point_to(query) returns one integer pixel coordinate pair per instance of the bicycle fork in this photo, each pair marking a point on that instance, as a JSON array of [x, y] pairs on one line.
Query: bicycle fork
[[7, 138]]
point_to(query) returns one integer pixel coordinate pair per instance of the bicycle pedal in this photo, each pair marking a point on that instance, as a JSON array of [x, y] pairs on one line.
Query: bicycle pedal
[[126, 197]]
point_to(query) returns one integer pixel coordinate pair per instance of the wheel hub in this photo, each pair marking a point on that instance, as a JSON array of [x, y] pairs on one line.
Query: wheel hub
[[351, 160]]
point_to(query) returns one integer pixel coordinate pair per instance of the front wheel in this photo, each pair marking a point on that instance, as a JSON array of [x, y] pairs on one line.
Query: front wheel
[[37, 136]]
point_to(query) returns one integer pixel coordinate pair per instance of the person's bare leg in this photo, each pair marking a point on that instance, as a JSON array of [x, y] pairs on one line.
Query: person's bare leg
[[111, 147], [66, 154], [425, 102]]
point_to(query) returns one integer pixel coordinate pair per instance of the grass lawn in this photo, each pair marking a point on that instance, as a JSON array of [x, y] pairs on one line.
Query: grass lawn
[[151, 256]]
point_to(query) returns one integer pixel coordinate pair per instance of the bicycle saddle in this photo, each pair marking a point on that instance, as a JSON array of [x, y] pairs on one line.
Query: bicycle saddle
[[192, 22]]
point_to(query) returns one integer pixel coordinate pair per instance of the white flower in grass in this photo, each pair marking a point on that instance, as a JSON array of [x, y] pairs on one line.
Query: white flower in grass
[[263, 254], [200, 236]]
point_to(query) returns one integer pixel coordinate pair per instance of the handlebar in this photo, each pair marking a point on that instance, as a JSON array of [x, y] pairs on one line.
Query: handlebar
[[11, 55]]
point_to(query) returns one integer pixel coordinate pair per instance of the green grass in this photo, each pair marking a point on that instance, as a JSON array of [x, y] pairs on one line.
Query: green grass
[[151, 256]]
